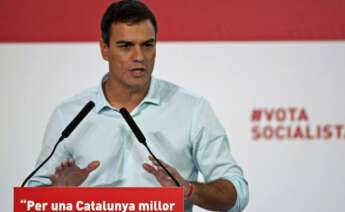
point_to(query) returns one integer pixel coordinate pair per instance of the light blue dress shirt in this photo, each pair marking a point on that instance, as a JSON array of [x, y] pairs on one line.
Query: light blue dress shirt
[[180, 128]]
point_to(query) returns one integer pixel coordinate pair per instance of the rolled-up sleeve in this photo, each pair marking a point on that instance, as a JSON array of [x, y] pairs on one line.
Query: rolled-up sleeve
[[212, 155]]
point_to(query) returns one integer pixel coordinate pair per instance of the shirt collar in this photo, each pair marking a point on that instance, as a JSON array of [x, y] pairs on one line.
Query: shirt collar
[[152, 97]]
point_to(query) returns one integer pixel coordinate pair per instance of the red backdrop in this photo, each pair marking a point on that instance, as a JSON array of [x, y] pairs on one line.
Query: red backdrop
[[179, 20]]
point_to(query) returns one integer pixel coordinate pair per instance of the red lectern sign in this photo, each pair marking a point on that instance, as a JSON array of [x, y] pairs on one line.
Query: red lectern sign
[[98, 199]]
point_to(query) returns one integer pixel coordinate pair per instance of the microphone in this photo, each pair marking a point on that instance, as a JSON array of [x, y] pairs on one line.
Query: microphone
[[75, 122], [134, 127], [141, 138], [65, 133]]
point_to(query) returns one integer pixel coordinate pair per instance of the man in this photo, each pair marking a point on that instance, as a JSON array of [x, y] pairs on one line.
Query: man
[[181, 128]]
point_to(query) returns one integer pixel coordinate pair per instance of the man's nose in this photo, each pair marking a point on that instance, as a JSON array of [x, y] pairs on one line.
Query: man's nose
[[138, 55]]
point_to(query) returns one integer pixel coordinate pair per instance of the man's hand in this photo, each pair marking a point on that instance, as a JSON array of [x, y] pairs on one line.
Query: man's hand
[[162, 177], [69, 174]]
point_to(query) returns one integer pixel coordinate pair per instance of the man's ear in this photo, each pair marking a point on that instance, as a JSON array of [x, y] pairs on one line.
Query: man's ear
[[104, 49]]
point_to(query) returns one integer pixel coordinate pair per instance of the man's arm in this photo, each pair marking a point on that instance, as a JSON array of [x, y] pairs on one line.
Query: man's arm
[[219, 195], [53, 131], [60, 170], [225, 186]]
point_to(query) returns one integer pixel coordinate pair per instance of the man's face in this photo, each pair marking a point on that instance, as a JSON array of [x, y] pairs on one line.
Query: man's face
[[131, 54]]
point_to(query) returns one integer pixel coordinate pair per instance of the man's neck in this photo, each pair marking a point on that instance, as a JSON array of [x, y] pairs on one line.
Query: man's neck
[[122, 96]]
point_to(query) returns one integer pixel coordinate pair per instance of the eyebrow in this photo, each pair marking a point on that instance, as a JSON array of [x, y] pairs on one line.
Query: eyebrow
[[150, 40]]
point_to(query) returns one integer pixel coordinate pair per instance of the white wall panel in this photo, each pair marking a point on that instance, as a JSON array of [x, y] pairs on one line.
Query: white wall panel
[[236, 77]]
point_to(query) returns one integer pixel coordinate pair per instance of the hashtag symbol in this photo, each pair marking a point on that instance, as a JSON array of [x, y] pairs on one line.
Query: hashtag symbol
[[256, 115]]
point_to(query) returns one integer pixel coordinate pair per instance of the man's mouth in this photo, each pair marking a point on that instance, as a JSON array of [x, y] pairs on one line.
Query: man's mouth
[[137, 69], [137, 72]]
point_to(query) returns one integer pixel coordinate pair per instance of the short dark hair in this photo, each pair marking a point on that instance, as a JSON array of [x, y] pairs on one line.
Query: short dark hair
[[125, 11]]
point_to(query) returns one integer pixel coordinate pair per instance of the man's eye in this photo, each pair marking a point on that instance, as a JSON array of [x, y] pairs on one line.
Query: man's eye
[[124, 46], [147, 45]]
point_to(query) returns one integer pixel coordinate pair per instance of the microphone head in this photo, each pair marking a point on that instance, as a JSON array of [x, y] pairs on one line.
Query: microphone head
[[75, 122], [134, 127]]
